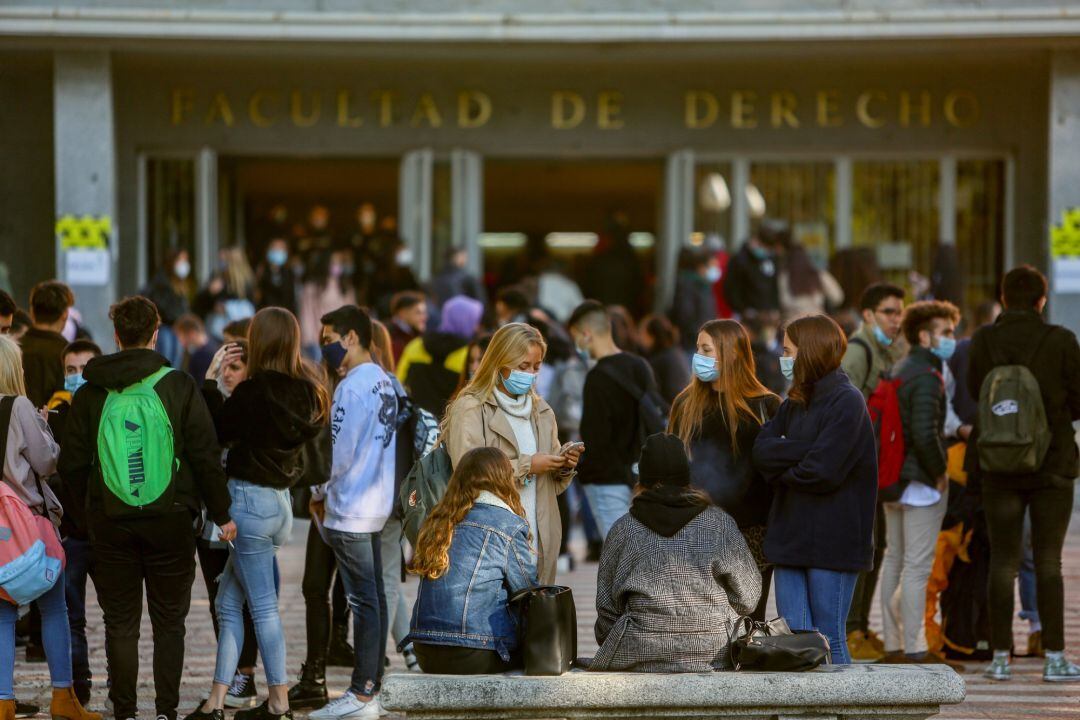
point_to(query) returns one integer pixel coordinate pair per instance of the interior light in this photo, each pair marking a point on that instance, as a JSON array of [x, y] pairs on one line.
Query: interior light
[[572, 240], [642, 240], [502, 241]]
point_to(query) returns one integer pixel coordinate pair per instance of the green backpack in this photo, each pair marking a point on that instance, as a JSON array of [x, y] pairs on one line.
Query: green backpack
[[423, 488], [1013, 432], [135, 449]]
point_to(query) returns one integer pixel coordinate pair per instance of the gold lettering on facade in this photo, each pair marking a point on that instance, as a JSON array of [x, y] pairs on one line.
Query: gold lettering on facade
[[862, 108], [961, 108], [183, 103], [608, 107], [296, 109], [474, 109], [828, 109], [385, 100], [567, 110], [784, 103], [742, 109], [344, 118], [426, 111], [702, 109], [924, 108], [219, 108], [255, 108]]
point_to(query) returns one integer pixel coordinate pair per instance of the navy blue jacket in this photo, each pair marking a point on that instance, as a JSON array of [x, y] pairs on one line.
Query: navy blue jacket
[[822, 460]]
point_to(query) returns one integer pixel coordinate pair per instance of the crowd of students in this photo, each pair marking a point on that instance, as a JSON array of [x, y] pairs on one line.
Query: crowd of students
[[701, 481]]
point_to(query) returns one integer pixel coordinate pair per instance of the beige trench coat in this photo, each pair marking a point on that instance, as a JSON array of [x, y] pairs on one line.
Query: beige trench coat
[[482, 423]]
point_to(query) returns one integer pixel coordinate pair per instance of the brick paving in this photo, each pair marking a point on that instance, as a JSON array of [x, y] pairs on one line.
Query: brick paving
[[1025, 697]]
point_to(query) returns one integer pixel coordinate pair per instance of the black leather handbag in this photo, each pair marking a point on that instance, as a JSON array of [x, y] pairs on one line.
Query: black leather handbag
[[773, 646], [549, 629]]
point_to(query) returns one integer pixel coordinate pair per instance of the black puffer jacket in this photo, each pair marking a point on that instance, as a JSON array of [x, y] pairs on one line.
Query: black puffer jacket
[[266, 423], [922, 410], [431, 384]]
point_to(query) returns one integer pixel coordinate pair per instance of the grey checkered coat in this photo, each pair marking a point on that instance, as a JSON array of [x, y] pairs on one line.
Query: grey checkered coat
[[665, 604]]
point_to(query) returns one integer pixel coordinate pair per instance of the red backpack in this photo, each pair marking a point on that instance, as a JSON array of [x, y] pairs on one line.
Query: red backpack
[[884, 407]]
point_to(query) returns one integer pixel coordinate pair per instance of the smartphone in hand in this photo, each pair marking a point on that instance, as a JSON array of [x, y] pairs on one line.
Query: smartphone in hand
[[571, 446]]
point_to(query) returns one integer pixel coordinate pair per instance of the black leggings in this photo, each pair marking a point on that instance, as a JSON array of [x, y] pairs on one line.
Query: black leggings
[[453, 660], [1051, 509], [320, 576], [212, 562]]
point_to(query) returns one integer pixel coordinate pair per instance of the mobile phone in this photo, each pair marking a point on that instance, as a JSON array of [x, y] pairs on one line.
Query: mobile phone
[[571, 446]]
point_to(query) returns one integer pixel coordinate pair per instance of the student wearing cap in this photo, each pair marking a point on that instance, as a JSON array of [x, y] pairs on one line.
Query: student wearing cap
[[674, 573]]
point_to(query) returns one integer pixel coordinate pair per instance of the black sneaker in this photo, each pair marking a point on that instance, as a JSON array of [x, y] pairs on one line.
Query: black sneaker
[[262, 712], [242, 693], [25, 710], [310, 692], [198, 714]]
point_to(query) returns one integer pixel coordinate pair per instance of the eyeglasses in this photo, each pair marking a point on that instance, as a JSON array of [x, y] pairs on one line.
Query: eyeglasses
[[890, 312]]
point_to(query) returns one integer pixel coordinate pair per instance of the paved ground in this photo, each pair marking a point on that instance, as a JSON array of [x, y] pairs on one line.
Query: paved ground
[[1026, 697]]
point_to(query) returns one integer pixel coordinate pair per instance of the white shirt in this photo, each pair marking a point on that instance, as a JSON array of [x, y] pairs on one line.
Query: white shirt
[[519, 413]]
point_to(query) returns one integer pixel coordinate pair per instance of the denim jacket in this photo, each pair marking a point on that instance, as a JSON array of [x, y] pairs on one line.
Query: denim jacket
[[490, 561]]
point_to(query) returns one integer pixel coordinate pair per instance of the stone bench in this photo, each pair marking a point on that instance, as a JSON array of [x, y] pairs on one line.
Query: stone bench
[[849, 692]]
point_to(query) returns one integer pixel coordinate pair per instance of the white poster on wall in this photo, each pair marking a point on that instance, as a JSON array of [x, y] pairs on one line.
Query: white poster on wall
[[1067, 274], [87, 267]]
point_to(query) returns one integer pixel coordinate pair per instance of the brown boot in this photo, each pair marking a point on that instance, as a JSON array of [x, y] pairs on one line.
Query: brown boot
[[7, 710], [65, 706]]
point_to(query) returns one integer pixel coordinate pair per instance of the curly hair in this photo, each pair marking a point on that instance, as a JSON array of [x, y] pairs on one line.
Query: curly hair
[[921, 315]]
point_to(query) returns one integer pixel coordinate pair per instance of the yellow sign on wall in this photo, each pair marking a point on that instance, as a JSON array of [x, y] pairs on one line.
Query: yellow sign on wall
[[84, 232], [1065, 238]]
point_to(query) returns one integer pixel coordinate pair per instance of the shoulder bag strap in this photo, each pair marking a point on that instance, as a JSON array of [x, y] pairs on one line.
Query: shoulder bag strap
[[7, 407]]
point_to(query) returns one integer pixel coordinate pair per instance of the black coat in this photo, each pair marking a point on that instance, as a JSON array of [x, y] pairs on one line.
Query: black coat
[[672, 371], [1056, 366], [751, 282], [821, 458], [43, 364], [729, 477], [694, 305], [922, 412], [200, 479], [276, 288]]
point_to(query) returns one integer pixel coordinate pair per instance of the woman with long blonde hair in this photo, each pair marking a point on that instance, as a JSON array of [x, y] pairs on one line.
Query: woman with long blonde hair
[[472, 555], [718, 417], [500, 408]]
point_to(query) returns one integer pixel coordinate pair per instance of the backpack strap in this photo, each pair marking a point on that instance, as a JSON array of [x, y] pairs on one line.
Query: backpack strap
[[154, 378], [869, 355], [7, 407]]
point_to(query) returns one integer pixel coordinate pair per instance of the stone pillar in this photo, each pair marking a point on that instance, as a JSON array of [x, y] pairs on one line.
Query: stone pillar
[[1064, 189], [87, 242]]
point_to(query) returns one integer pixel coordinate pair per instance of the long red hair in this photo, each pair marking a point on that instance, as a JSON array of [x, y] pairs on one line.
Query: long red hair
[[821, 345]]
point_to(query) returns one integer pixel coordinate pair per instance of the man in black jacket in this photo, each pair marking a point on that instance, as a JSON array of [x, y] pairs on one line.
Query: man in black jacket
[[157, 548], [43, 345], [751, 284], [609, 420], [1020, 336]]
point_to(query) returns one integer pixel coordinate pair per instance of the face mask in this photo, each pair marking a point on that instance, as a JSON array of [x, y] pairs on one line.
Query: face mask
[[277, 257], [519, 382], [336, 270], [333, 353], [182, 269], [882, 337], [759, 252], [404, 257], [945, 348], [583, 353], [73, 382], [787, 367], [713, 274], [704, 368]]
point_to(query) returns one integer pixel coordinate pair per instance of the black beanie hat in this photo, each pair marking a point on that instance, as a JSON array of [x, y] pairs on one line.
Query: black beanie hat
[[663, 462]]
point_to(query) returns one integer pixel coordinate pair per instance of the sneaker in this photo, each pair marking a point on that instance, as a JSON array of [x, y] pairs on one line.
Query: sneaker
[[25, 710], [347, 707], [198, 714], [262, 712], [242, 693], [383, 712], [861, 649], [1060, 670], [1034, 645], [310, 692], [999, 670]]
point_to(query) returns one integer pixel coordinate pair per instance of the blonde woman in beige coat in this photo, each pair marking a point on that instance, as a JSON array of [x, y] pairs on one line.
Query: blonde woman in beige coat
[[500, 408]]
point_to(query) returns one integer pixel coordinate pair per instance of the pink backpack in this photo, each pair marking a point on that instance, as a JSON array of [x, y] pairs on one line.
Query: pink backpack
[[31, 556]]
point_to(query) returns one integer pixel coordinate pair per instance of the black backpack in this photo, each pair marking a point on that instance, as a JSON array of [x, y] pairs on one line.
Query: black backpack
[[652, 409]]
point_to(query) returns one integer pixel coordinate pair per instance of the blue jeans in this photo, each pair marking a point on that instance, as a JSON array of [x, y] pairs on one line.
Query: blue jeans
[[76, 573], [608, 503], [1029, 599], [359, 557], [263, 518], [814, 599], [55, 636]]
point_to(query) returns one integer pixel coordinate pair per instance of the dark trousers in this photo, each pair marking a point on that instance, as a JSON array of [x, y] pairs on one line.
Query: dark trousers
[[212, 563], [76, 572], [1050, 504], [452, 660], [160, 553], [324, 596], [866, 586], [359, 557]]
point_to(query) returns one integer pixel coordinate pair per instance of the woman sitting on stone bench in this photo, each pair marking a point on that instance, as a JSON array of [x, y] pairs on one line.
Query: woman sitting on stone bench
[[674, 574], [473, 553]]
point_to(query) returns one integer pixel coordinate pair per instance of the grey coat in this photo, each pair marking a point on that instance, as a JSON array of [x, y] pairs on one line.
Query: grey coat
[[666, 604]]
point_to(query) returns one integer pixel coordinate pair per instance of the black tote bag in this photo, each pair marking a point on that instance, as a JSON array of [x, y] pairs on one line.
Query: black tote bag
[[773, 646], [549, 629]]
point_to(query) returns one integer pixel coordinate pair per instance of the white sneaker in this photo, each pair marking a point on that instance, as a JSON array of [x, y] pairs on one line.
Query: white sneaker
[[347, 707], [383, 712]]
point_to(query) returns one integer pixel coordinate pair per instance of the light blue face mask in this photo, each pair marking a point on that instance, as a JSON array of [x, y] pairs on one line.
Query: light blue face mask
[[787, 367], [73, 382], [882, 337], [519, 382], [277, 257], [945, 348], [704, 368]]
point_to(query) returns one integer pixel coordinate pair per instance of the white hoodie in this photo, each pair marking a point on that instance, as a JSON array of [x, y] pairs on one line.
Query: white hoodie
[[360, 491]]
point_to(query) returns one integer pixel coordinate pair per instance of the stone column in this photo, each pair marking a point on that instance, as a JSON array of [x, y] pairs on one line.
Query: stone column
[[87, 242], [1064, 189]]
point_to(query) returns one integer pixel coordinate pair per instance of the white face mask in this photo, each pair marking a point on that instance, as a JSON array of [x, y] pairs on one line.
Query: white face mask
[[404, 257], [182, 268]]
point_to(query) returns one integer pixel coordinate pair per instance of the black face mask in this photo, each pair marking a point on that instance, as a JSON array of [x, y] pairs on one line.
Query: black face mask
[[334, 354]]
